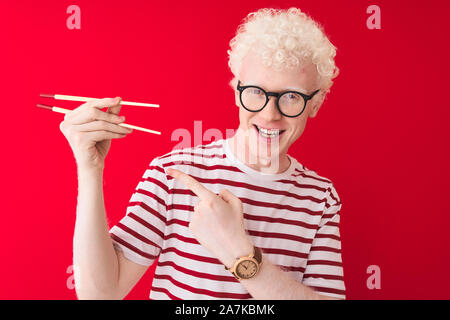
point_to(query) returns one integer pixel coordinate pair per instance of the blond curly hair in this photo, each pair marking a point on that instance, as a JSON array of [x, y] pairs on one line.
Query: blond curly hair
[[284, 39]]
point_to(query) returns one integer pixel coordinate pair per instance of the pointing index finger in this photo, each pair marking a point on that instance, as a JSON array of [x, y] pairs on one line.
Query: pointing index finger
[[192, 184]]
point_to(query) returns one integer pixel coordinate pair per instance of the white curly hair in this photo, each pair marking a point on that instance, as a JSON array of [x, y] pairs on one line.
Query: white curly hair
[[284, 38]]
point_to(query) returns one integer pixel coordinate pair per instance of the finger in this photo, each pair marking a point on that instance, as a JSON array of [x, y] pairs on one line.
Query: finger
[[191, 184], [93, 114], [103, 103], [230, 198], [102, 125], [95, 103], [115, 109], [101, 135]]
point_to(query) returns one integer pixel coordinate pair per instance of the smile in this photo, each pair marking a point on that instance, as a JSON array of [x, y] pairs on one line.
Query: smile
[[269, 133]]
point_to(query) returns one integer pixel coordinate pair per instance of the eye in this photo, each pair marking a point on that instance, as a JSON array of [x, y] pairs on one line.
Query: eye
[[256, 91]]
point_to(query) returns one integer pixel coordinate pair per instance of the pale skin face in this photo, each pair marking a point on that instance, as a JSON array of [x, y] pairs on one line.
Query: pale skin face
[[304, 79]]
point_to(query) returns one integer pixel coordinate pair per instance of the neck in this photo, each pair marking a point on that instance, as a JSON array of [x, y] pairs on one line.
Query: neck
[[267, 165]]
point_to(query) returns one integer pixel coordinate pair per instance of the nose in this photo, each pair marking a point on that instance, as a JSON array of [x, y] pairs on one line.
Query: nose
[[270, 111]]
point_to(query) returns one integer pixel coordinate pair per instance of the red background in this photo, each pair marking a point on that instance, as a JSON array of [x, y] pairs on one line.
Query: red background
[[382, 136]]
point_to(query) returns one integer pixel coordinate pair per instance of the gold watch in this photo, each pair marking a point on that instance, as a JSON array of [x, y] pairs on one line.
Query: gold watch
[[247, 267]]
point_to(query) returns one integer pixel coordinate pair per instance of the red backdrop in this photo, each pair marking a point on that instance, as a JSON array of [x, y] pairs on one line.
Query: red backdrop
[[382, 136]]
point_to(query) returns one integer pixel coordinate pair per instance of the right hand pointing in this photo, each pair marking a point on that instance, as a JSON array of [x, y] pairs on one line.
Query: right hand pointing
[[89, 131]]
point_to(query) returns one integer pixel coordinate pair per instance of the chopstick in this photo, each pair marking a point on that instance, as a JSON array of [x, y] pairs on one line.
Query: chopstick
[[84, 99], [62, 110]]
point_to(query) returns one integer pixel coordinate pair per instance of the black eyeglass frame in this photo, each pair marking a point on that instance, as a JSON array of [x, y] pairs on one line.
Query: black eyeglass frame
[[277, 95]]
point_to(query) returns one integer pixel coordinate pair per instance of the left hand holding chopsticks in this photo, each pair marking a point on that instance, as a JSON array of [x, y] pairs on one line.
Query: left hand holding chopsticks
[[217, 222]]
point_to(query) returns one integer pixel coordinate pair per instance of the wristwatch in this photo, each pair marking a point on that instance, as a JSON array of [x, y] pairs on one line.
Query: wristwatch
[[247, 267]]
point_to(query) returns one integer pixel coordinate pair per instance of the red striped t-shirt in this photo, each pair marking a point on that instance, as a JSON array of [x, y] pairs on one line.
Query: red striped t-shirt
[[293, 217]]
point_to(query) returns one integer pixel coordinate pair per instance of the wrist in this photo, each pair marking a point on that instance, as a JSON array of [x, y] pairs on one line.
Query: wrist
[[90, 178], [244, 248], [89, 172]]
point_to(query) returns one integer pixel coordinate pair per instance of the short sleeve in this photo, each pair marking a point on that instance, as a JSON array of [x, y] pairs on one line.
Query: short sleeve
[[140, 233], [324, 270]]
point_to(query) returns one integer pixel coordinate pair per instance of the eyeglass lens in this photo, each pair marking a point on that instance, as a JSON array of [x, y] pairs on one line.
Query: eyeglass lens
[[290, 103]]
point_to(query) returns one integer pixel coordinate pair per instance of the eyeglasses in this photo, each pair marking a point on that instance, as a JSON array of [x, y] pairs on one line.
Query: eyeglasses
[[290, 103]]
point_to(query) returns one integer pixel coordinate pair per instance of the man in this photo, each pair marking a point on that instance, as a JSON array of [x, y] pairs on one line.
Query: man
[[238, 218]]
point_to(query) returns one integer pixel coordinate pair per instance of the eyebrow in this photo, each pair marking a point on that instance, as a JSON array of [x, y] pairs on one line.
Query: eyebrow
[[296, 89], [252, 83]]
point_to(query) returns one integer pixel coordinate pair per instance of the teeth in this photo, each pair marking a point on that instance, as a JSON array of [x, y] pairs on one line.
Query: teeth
[[269, 133]]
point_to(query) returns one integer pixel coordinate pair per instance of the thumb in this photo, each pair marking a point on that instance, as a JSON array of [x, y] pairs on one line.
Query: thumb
[[116, 108], [231, 199]]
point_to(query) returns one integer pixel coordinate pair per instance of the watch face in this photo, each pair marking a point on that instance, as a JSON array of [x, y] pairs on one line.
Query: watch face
[[246, 269]]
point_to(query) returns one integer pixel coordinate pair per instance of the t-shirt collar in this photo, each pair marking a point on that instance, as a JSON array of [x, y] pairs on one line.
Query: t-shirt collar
[[255, 173]]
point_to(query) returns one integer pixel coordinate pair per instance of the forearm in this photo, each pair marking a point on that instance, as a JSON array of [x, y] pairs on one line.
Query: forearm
[[271, 283], [95, 261]]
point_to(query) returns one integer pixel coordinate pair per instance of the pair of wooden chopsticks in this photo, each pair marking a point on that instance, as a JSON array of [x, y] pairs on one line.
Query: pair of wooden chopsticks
[[84, 99]]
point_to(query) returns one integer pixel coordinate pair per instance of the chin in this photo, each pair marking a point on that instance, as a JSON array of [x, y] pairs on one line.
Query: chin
[[261, 147], [264, 152]]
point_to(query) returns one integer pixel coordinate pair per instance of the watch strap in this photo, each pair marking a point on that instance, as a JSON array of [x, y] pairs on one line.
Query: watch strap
[[256, 255]]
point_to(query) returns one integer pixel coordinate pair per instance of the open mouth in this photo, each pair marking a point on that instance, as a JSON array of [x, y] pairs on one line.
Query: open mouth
[[269, 133]]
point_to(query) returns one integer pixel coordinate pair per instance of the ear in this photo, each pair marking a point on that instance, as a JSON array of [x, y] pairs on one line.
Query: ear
[[317, 102], [314, 110], [236, 98], [233, 84]]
